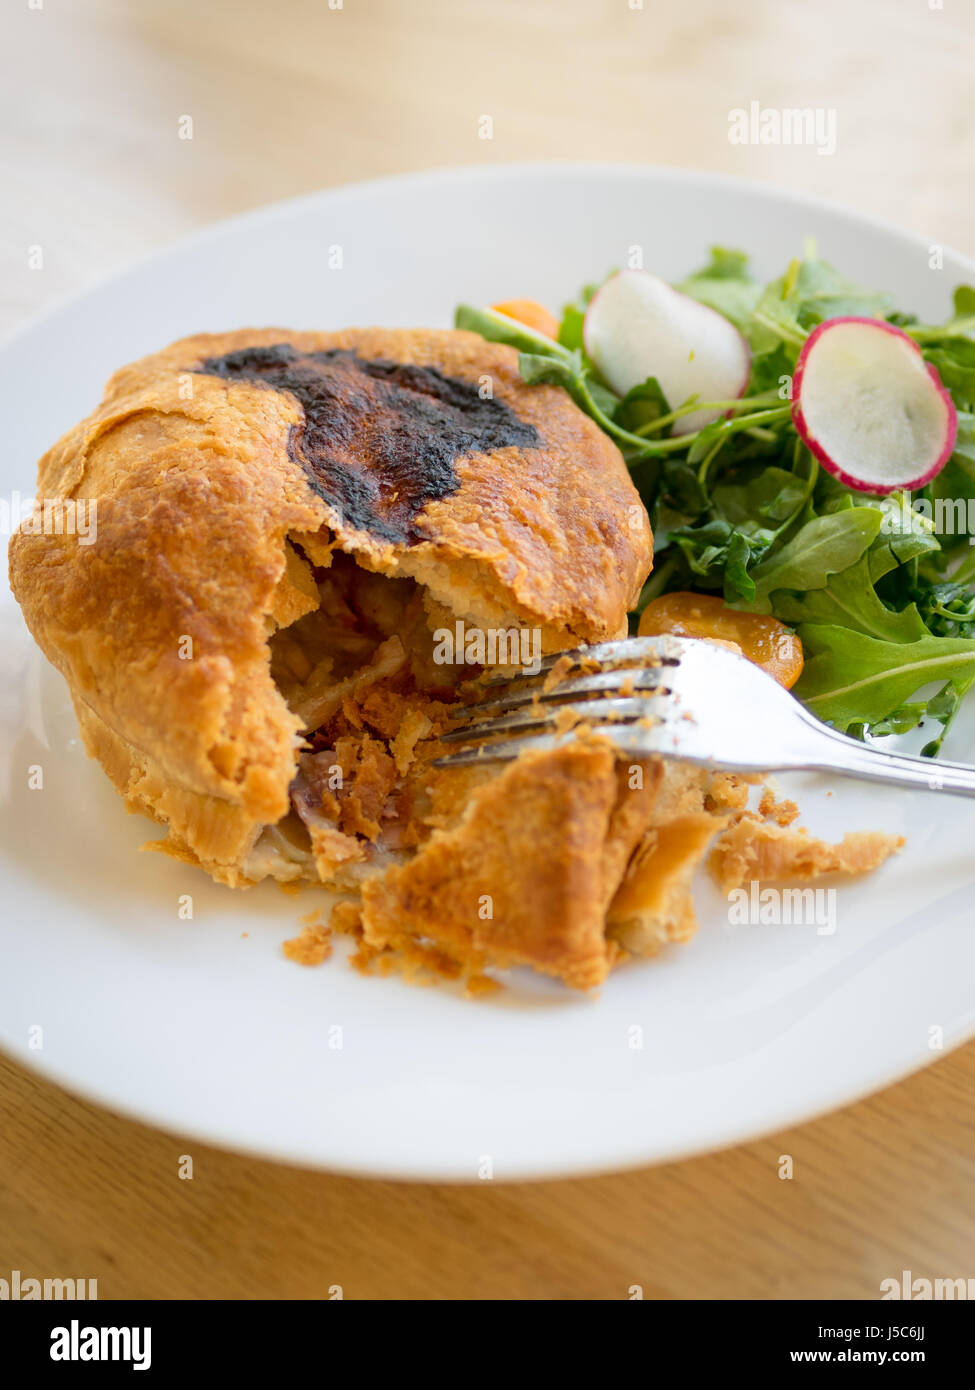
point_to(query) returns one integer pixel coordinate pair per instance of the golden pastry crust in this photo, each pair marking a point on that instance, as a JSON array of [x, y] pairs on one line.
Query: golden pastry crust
[[205, 458], [475, 891]]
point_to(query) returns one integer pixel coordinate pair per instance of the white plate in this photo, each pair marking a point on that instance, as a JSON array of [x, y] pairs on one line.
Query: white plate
[[199, 1028]]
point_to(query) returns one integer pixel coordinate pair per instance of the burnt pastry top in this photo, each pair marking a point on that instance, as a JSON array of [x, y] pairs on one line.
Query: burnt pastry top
[[378, 439]]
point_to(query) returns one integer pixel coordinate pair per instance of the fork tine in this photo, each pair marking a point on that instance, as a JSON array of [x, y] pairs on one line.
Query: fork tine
[[619, 679], [623, 736], [644, 649], [587, 710], [640, 726]]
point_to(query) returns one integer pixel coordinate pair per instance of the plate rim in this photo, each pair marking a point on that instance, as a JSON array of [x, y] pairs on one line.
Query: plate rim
[[519, 1171], [348, 190]]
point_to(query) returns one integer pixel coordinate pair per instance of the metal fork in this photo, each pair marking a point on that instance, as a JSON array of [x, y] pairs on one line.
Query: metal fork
[[679, 697]]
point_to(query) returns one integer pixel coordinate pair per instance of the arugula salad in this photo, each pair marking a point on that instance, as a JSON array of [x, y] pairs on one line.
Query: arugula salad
[[806, 451]]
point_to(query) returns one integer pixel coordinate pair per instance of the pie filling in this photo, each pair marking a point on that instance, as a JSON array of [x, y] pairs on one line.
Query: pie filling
[[361, 670]]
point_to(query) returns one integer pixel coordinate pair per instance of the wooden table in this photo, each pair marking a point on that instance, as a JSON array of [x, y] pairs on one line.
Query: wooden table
[[293, 95]]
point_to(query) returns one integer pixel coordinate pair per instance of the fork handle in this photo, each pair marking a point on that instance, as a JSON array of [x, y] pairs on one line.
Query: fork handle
[[833, 752]]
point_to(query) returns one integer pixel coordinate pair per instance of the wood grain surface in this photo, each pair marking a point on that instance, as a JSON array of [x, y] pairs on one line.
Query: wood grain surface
[[287, 96]]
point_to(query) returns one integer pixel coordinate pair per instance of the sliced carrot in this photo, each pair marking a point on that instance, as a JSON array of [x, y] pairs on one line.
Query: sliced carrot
[[766, 641], [531, 314]]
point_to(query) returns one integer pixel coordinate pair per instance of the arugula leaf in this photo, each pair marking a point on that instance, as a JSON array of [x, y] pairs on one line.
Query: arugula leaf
[[499, 328], [543, 361], [825, 545], [901, 720], [904, 534], [850, 600], [570, 373], [571, 327], [680, 491], [774, 321], [944, 708], [964, 301], [961, 327], [772, 366], [738, 583], [642, 405], [809, 292], [948, 610], [955, 361], [965, 442], [719, 553], [725, 285], [573, 317], [725, 264], [763, 502], [852, 678], [823, 293]]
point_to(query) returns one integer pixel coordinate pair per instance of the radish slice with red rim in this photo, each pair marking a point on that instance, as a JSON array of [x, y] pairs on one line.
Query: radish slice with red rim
[[873, 412], [638, 326]]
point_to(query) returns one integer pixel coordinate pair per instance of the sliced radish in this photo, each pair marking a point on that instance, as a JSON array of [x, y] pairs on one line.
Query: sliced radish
[[870, 408], [638, 326]]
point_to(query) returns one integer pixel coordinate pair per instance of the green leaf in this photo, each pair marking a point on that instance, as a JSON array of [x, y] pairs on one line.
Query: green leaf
[[738, 583], [774, 321], [823, 293], [964, 301], [766, 500], [850, 600], [904, 533], [961, 327], [965, 573], [642, 405], [705, 441], [571, 327], [944, 708], [540, 369], [573, 317], [852, 678], [725, 285], [901, 720], [810, 291], [825, 545], [681, 490], [951, 495], [954, 359], [965, 443], [725, 264], [570, 373], [499, 328]]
